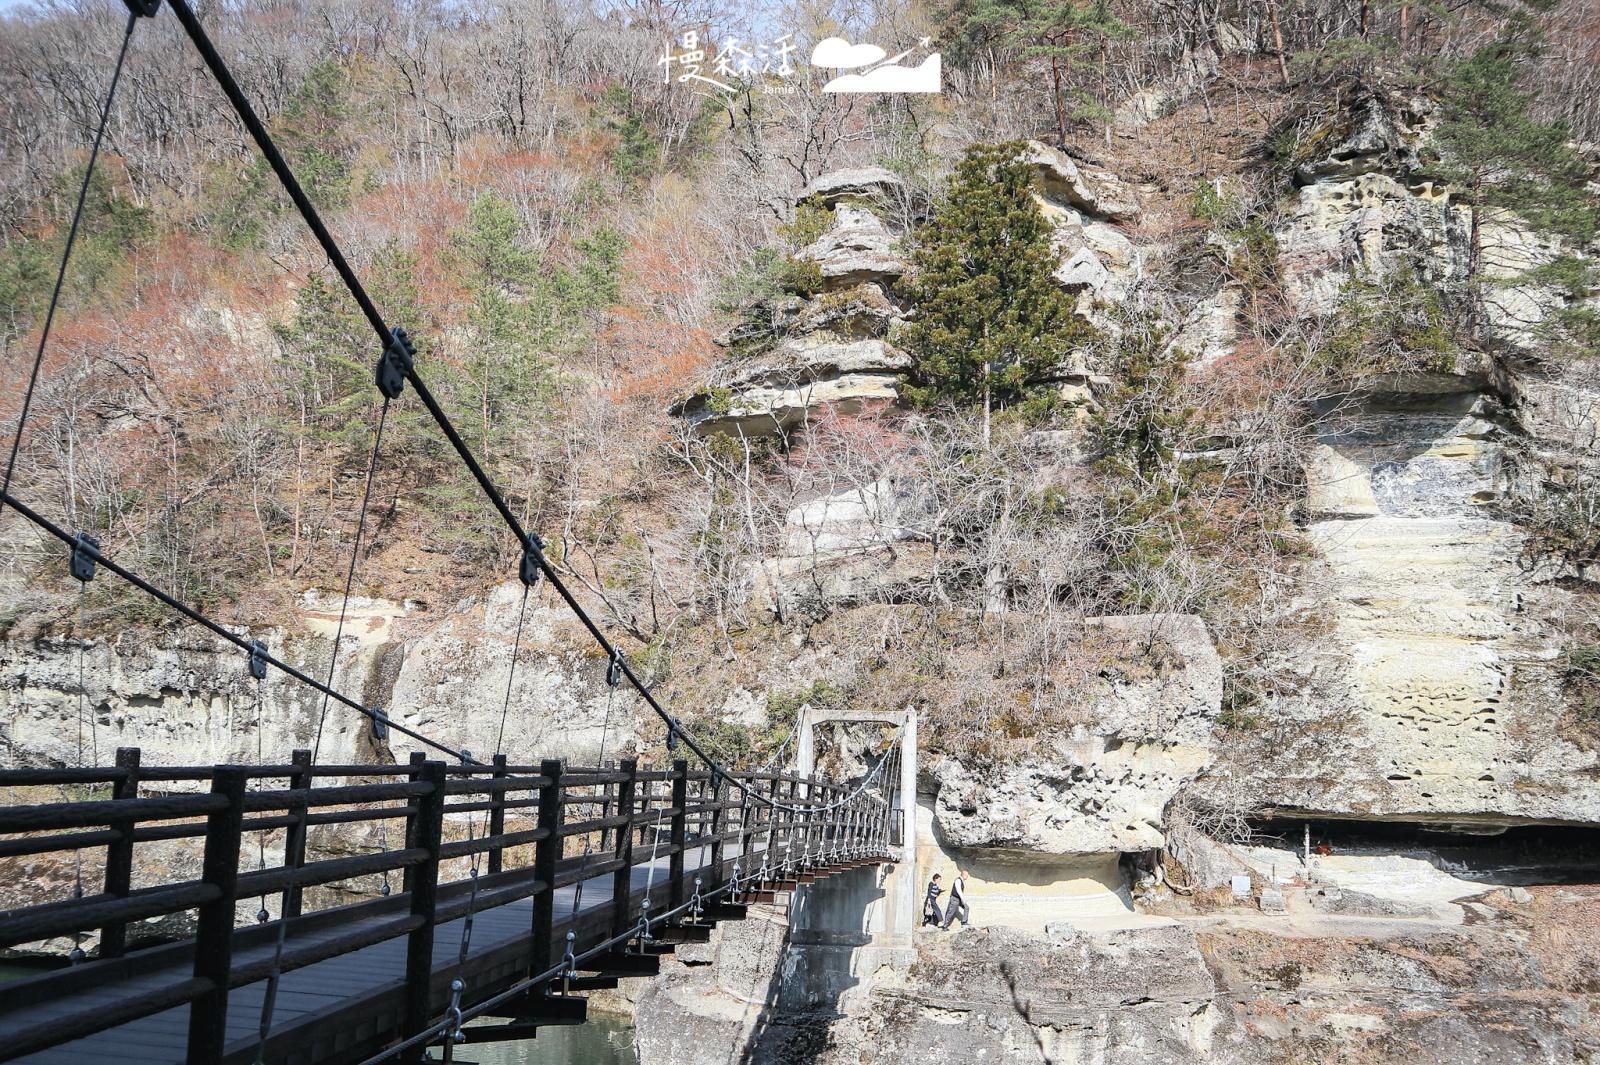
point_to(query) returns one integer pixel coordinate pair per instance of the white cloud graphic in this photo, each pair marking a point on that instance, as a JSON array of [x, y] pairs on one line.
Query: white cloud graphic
[[840, 53], [891, 78]]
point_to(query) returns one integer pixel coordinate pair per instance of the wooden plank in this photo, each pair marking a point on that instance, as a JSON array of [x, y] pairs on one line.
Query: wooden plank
[[349, 1001]]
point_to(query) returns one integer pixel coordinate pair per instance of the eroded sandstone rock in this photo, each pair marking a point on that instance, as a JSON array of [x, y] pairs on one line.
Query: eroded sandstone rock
[[1438, 626], [186, 697], [779, 390], [858, 248], [1104, 787], [1094, 191]]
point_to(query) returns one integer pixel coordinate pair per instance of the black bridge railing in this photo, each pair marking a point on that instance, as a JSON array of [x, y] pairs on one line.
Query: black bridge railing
[[562, 870]]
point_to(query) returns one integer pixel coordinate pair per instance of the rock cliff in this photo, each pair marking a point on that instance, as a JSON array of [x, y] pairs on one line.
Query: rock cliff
[[186, 698]]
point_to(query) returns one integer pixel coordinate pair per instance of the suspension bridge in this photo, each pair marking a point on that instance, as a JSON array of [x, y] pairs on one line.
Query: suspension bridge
[[503, 905], [353, 914]]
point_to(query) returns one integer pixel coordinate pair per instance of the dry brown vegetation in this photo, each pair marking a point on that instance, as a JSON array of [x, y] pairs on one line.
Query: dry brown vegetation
[[555, 223]]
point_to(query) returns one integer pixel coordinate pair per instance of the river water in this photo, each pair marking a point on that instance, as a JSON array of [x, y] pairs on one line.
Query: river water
[[604, 1039]]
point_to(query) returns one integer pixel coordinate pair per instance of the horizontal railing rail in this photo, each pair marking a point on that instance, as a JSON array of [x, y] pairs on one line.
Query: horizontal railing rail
[[422, 844]]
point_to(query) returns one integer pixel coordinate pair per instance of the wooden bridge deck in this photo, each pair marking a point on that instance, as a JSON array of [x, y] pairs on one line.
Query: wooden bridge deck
[[359, 977], [349, 1004]]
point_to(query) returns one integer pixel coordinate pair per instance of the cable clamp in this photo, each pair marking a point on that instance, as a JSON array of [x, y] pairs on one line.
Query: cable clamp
[[569, 963], [394, 365], [532, 560], [258, 660], [614, 671], [674, 726], [380, 724], [143, 8], [85, 549], [452, 1015]]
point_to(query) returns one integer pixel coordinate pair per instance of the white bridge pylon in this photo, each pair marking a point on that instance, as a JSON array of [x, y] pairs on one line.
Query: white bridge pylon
[[896, 921]]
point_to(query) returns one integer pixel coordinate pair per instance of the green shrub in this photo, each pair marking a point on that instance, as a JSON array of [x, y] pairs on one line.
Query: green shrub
[[1563, 523], [1393, 324], [1499, 156], [1580, 682]]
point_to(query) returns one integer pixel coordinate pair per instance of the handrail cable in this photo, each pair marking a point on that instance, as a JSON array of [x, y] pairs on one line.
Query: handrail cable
[[269, 1000], [48, 526], [564, 965], [457, 985]]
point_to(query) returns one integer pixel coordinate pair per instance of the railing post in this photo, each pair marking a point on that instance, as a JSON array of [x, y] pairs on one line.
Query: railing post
[[773, 824], [814, 826], [213, 945], [797, 822], [680, 832], [825, 842], [545, 855], [622, 880], [841, 824], [425, 828], [119, 855], [747, 828], [497, 814], [719, 826], [418, 758], [294, 838]]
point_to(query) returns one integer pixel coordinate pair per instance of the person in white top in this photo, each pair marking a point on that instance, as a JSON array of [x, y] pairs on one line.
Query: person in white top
[[957, 906]]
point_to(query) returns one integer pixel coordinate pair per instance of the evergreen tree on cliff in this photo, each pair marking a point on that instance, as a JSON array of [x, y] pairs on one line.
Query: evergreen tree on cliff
[[990, 318]]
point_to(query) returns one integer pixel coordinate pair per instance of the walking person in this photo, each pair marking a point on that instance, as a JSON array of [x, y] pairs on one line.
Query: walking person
[[930, 903], [957, 906]]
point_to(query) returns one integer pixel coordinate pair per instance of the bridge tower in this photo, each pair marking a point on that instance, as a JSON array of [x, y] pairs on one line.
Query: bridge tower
[[843, 930]]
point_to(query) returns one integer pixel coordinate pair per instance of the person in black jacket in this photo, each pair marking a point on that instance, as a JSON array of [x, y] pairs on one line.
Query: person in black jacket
[[958, 902], [930, 903]]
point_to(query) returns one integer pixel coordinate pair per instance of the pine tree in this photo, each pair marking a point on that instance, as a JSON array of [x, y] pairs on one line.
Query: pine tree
[[990, 317], [1062, 32], [1067, 32], [1501, 156]]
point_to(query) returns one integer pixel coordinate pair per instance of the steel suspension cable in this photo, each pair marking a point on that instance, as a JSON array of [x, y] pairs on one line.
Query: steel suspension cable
[[531, 546], [66, 254], [350, 574]]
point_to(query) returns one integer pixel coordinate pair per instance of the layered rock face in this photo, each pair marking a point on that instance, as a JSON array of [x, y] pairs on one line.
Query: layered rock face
[[831, 352], [1103, 787], [1508, 986], [185, 697], [1443, 631], [1127, 996]]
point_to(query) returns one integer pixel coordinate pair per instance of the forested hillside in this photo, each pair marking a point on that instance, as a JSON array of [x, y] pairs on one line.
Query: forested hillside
[[568, 233]]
